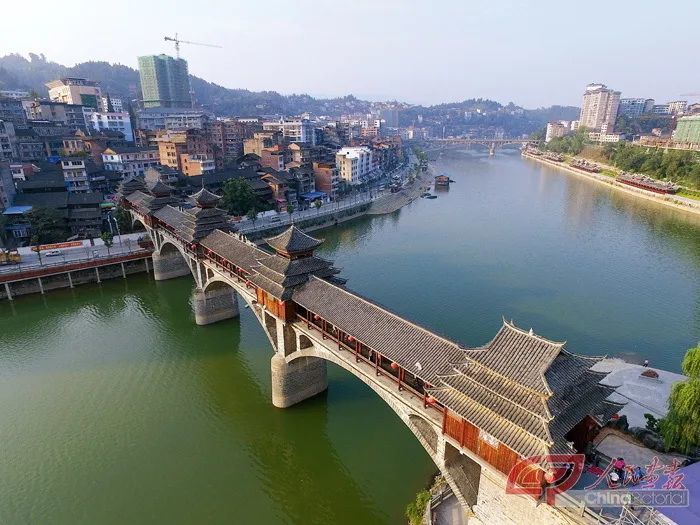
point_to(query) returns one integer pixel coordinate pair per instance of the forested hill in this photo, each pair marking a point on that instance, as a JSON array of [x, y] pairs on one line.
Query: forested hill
[[18, 72]]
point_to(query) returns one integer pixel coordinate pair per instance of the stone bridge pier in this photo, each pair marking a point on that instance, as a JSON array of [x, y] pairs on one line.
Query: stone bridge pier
[[215, 303], [169, 264]]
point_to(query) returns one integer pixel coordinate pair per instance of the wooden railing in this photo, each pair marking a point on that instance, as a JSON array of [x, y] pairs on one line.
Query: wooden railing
[[373, 359]]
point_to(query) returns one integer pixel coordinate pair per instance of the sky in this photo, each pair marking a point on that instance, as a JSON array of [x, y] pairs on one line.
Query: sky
[[534, 53]]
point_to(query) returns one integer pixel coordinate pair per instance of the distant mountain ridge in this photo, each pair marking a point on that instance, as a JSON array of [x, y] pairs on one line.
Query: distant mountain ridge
[[18, 72]]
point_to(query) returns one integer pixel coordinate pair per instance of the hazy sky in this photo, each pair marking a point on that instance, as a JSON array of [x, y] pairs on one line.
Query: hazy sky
[[534, 53]]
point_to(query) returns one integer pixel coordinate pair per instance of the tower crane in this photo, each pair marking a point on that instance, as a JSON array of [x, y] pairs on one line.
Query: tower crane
[[178, 41]]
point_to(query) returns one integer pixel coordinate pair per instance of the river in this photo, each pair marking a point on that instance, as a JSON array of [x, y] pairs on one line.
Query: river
[[116, 408]]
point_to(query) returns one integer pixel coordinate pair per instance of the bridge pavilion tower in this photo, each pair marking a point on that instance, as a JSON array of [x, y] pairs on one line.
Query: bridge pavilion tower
[[276, 276]]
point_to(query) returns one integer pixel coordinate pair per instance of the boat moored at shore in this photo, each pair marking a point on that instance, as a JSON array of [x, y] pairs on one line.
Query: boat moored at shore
[[647, 183]]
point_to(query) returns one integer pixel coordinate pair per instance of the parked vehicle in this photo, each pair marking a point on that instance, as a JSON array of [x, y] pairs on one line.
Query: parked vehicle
[[10, 258], [53, 253]]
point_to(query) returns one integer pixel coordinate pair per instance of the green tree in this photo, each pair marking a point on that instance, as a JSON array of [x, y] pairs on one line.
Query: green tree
[[108, 239], [317, 205], [681, 426], [252, 215], [290, 210], [123, 220], [48, 225], [239, 196], [416, 509]]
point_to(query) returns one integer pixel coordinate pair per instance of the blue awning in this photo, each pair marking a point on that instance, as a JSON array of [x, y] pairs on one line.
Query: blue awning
[[313, 195], [17, 210]]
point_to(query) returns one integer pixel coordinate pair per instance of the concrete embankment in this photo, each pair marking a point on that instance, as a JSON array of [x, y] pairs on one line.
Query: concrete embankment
[[674, 201], [391, 202], [46, 278]]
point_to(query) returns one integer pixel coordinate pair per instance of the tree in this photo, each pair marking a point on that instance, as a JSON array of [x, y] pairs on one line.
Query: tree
[[123, 220], [239, 196], [48, 225], [416, 509], [108, 239], [4, 237], [290, 210], [681, 426], [317, 205], [252, 215]]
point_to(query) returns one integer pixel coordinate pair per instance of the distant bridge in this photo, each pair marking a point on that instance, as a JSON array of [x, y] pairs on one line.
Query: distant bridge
[[476, 411], [491, 144]]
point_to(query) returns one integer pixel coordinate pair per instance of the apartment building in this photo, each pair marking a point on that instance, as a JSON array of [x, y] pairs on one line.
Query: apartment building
[[354, 164], [293, 130], [112, 121], [599, 107], [78, 91], [129, 161]]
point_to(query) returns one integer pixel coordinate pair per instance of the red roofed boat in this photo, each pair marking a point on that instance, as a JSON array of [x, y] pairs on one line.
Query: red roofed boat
[[647, 183]]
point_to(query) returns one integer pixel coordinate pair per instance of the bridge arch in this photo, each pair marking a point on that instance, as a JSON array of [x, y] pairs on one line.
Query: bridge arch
[[461, 472], [170, 261]]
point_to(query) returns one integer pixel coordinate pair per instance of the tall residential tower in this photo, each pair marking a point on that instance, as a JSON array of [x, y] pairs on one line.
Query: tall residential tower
[[599, 108], [164, 82]]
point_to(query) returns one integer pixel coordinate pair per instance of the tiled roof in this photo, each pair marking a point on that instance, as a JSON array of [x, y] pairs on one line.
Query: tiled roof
[[416, 349], [292, 241], [518, 355], [231, 248], [521, 380], [205, 199]]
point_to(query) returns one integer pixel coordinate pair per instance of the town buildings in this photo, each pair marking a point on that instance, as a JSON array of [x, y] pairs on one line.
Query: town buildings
[[172, 118], [687, 130], [81, 175], [128, 160], [635, 107], [164, 81], [228, 135], [112, 121], [676, 107], [556, 129], [12, 110], [8, 141], [7, 186], [293, 130], [599, 107], [326, 178], [76, 116], [179, 149], [17, 94], [77, 91], [354, 164]]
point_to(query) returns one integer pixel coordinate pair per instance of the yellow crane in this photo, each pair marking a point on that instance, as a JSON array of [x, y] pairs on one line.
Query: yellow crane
[[179, 41]]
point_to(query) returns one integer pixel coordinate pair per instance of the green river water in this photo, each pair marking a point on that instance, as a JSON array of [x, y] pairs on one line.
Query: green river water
[[116, 408]]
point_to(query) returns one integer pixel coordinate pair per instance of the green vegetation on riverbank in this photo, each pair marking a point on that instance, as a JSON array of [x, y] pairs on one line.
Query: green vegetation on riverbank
[[681, 167]]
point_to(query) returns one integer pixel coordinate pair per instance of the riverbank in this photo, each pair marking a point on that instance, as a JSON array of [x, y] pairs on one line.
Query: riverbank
[[391, 202], [680, 203]]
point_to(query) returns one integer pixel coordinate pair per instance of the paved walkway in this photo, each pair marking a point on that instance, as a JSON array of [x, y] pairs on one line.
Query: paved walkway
[[450, 512], [614, 445]]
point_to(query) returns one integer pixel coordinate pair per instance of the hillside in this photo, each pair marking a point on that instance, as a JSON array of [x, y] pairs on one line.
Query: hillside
[[18, 72]]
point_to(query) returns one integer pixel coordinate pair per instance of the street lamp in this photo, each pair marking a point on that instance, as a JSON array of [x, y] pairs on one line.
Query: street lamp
[[111, 218]]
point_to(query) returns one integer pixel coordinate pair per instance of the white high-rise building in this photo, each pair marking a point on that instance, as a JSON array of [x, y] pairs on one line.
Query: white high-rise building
[[354, 164], [599, 107], [294, 130], [112, 121]]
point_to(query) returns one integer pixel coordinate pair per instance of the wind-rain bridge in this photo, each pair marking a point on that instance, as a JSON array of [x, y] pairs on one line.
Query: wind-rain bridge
[[476, 411]]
